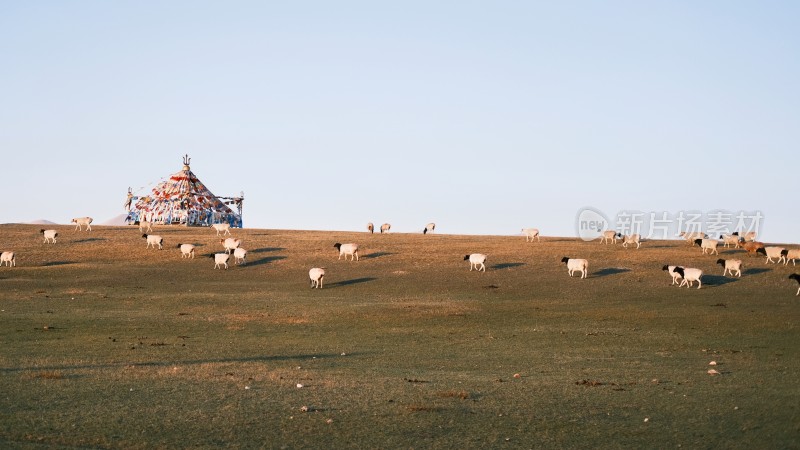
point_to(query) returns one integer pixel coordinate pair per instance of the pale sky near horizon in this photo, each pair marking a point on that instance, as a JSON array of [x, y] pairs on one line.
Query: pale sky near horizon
[[484, 117]]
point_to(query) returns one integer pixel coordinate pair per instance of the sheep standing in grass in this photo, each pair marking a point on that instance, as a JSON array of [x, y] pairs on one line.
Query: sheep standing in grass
[[731, 239], [221, 259], [692, 236], [632, 239], [347, 249], [475, 260], [224, 228], [154, 239], [791, 254], [690, 276], [771, 252], [187, 250], [230, 244], [8, 259], [81, 221], [240, 256], [573, 265], [49, 235], [752, 247], [531, 233], [675, 275], [750, 236], [795, 277], [385, 228], [609, 236], [316, 275], [429, 227], [708, 244], [731, 265], [370, 228], [145, 226]]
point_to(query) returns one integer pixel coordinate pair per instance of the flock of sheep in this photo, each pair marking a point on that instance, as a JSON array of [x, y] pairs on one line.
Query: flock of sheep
[[686, 275]]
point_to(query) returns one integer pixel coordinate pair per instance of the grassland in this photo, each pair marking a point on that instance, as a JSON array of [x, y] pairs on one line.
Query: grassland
[[106, 344]]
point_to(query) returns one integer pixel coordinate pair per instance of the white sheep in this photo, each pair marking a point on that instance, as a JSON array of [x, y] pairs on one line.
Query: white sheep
[[154, 239], [609, 235], [385, 228], [187, 250], [347, 249], [731, 239], [689, 276], [632, 239], [790, 254], [370, 228], [750, 236], [230, 244], [8, 258], [240, 255], [80, 221], [316, 275], [531, 233], [573, 265], [795, 277], [221, 259], [145, 226], [772, 252], [708, 244], [224, 228], [691, 237], [49, 235], [429, 227], [731, 265], [675, 275], [476, 259]]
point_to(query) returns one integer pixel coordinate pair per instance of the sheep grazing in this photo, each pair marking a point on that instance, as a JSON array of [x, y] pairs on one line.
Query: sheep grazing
[[154, 239], [795, 277], [475, 260], [731, 265], [370, 228], [230, 244], [8, 259], [675, 275], [316, 275], [221, 259], [429, 227], [752, 247], [731, 239], [573, 265], [187, 250], [531, 233], [771, 252], [347, 249], [690, 276], [385, 228], [145, 226], [791, 254], [632, 239], [240, 256], [609, 235], [224, 228], [692, 236], [49, 235], [81, 221], [708, 244]]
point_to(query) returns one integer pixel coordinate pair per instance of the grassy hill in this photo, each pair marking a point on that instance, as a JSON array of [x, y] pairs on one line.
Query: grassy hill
[[108, 344]]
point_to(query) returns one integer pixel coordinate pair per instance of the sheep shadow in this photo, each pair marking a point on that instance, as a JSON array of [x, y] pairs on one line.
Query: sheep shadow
[[717, 280], [755, 271], [377, 255], [610, 271], [262, 261], [93, 239], [266, 250], [506, 265], [57, 263], [349, 282]]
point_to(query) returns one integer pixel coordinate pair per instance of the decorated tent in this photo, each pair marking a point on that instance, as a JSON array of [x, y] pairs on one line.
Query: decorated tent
[[183, 199]]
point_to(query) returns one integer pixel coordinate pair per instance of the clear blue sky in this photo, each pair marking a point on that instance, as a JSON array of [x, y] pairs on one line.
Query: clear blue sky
[[484, 117]]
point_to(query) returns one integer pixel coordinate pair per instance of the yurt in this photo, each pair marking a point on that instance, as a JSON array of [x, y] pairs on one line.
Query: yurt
[[183, 199]]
